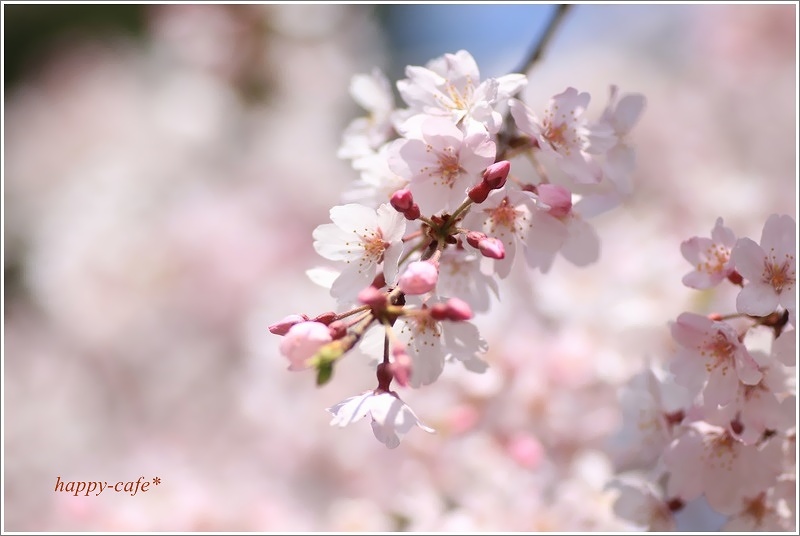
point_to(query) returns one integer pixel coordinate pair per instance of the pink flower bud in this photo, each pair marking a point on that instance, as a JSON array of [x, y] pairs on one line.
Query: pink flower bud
[[558, 198], [402, 200], [412, 213], [282, 327], [418, 278], [337, 329], [401, 365], [454, 309], [373, 297], [492, 248], [479, 192], [302, 341], [495, 175], [474, 238], [526, 450], [458, 310], [325, 318]]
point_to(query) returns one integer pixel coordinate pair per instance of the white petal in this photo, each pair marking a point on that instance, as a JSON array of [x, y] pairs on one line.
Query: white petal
[[354, 217], [582, 246], [757, 299], [748, 257], [351, 409], [628, 111]]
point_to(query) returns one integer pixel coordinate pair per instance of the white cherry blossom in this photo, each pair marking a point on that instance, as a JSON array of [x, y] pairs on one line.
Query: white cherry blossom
[[441, 162], [450, 86], [362, 238], [711, 349], [769, 268], [390, 417], [364, 134], [711, 257], [561, 133]]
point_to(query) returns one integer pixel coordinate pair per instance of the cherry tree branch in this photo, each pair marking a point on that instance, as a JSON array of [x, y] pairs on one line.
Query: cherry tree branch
[[538, 49]]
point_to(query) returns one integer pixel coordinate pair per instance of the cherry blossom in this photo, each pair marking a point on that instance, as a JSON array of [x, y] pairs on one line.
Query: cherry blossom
[[642, 503], [450, 86], [432, 342], [561, 133], [619, 117], [507, 216], [557, 228], [363, 238], [769, 268], [390, 417], [374, 93], [711, 257], [460, 275], [441, 162], [708, 460], [711, 349]]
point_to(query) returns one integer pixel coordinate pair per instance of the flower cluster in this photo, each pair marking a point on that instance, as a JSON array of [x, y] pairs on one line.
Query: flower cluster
[[719, 421], [437, 217]]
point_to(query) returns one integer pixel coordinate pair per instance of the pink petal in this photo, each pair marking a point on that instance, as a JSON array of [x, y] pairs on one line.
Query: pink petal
[[757, 299], [749, 258]]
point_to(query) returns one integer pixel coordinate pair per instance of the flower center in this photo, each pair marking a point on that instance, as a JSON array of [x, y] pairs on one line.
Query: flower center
[[449, 167], [779, 275], [506, 217], [720, 350], [717, 256], [374, 246]]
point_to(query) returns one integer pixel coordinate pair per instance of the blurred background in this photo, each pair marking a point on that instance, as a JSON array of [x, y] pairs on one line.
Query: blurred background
[[164, 166]]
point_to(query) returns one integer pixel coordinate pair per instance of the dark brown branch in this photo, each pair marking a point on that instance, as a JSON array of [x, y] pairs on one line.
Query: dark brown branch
[[538, 49]]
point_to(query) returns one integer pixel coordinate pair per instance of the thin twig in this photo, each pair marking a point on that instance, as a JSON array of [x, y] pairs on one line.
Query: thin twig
[[538, 49]]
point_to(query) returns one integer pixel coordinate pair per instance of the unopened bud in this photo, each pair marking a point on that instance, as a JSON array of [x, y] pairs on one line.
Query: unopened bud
[[412, 213], [558, 198], [492, 247], [283, 327], [474, 238], [458, 310], [479, 192], [325, 318], [401, 365], [495, 175], [419, 277], [372, 297], [715, 316], [338, 329], [454, 309], [402, 200]]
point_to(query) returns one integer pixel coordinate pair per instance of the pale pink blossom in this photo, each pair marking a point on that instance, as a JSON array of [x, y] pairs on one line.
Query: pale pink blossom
[[557, 228], [711, 257], [390, 417], [784, 349], [769, 268], [450, 86], [561, 133], [711, 349], [364, 134], [303, 341], [460, 275], [505, 215], [432, 342], [618, 118], [441, 162], [708, 460], [419, 277], [362, 238], [763, 512], [643, 504], [652, 407], [760, 407]]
